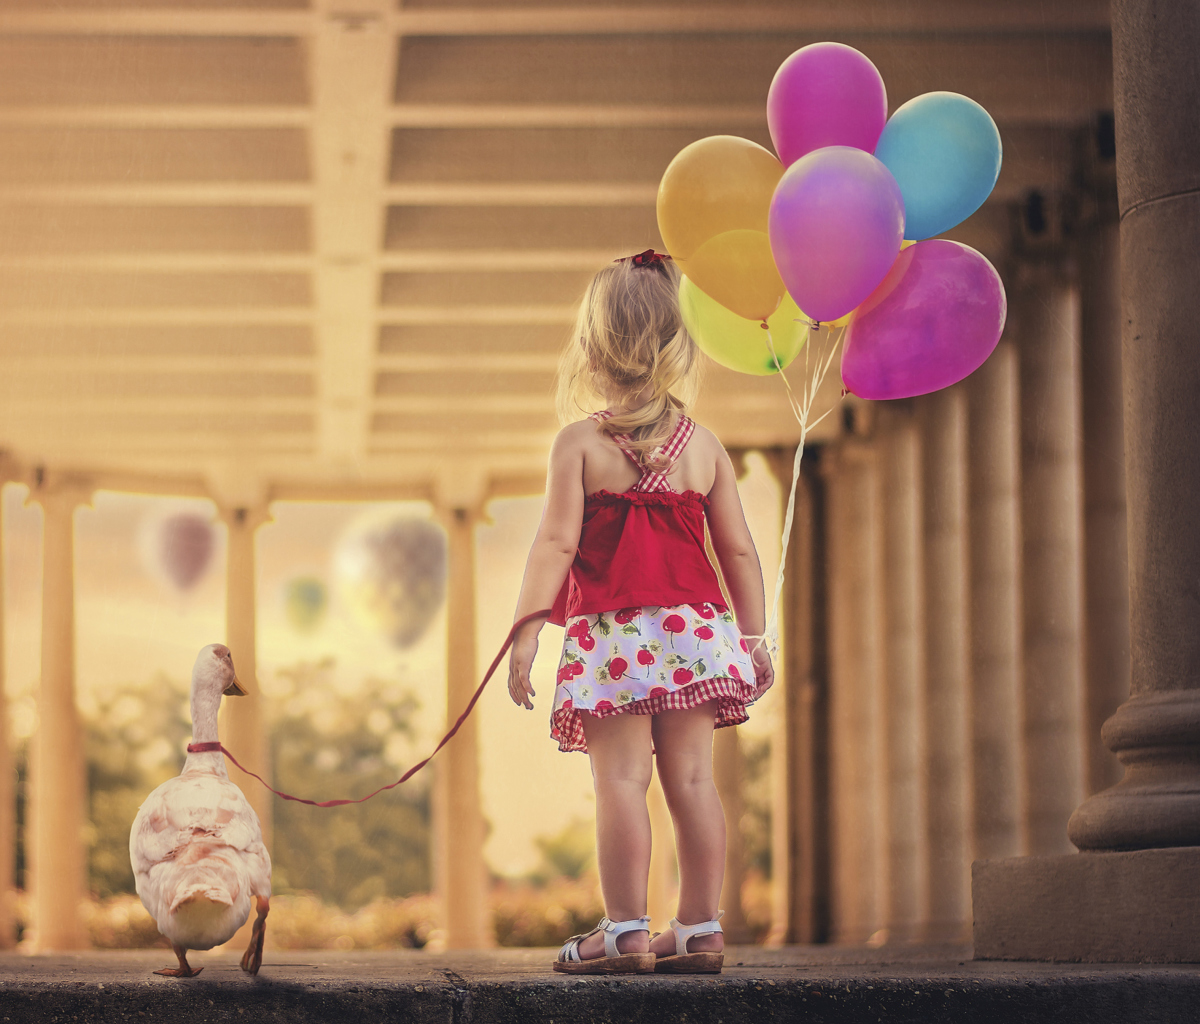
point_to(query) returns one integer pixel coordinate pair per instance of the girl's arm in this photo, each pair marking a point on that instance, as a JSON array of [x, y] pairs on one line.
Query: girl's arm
[[739, 563], [550, 557]]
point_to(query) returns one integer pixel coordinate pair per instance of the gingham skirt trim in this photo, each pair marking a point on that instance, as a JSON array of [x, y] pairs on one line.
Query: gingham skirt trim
[[732, 696]]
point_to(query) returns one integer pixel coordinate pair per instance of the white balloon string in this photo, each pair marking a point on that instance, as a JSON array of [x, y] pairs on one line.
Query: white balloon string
[[819, 365]]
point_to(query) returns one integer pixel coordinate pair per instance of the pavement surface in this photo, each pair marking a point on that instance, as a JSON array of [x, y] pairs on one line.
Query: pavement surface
[[797, 983]]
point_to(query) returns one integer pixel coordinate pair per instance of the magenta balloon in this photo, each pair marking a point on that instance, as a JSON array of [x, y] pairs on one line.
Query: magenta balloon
[[936, 318], [825, 94], [836, 224], [185, 546]]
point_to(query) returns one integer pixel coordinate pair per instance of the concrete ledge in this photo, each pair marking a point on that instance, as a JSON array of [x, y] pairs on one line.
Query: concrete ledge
[[839, 985], [1140, 906]]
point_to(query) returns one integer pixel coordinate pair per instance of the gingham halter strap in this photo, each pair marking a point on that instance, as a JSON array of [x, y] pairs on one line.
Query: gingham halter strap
[[672, 448]]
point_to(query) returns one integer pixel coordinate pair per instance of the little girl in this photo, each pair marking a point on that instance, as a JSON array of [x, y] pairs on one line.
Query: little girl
[[652, 661]]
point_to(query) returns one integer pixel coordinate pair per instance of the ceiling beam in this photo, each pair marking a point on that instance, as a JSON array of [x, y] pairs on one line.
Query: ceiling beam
[[352, 71], [141, 262], [101, 363], [103, 115], [523, 193], [463, 314], [156, 193], [500, 362], [460, 260], [404, 115], [824, 16], [812, 16], [22, 405], [166, 315], [420, 260], [552, 115]]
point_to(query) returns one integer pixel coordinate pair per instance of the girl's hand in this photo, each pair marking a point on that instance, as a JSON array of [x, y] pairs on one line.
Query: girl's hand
[[520, 661], [764, 673]]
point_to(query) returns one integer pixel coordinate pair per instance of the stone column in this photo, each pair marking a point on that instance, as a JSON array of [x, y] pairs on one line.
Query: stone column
[[1156, 733], [463, 872], [58, 805], [996, 641], [794, 819], [855, 589], [1047, 323], [8, 795], [243, 726], [1106, 553], [947, 659], [904, 676], [1131, 896]]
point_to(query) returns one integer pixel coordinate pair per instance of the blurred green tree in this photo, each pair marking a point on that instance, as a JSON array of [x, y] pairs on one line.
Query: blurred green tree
[[134, 740], [327, 745], [324, 744]]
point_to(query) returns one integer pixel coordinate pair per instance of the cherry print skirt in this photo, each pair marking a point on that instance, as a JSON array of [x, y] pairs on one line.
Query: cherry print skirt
[[649, 660]]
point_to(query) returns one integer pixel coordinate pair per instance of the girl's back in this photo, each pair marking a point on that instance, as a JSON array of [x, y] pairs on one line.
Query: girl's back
[[607, 468]]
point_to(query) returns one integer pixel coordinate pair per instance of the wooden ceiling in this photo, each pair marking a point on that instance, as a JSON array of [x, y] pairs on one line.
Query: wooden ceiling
[[334, 247]]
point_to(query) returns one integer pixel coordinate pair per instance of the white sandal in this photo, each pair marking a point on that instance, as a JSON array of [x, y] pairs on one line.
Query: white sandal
[[613, 961], [683, 962]]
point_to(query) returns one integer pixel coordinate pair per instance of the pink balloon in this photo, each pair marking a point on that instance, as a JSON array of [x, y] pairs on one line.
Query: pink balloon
[[185, 546], [934, 320], [836, 224], [825, 94]]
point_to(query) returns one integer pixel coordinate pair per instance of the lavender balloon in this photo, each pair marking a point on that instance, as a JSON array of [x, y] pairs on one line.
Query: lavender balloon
[[825, 94], [836, 224], [934, 320]]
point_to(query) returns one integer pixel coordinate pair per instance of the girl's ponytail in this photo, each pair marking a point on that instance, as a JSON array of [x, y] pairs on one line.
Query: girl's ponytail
[[629, 340]]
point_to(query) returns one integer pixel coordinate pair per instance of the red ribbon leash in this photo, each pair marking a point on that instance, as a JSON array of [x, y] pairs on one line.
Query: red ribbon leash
[[214, 745]]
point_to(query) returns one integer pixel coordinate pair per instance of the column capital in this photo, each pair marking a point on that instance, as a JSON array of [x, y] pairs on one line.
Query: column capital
[[247, 517], [60, 490], [461, 493]]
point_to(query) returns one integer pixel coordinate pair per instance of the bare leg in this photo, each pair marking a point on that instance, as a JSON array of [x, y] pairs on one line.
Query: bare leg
[[183, 970], [619, 747], [683, 751], [252, 958]]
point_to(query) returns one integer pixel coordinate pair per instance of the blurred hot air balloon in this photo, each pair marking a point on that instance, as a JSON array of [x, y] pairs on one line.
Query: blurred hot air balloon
[[394, 574], [304, 600], [185, 545]]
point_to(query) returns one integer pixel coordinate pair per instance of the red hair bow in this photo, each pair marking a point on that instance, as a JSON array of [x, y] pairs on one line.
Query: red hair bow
[[649, 258]]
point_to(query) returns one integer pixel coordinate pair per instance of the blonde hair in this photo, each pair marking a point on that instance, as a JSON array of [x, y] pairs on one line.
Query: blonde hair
[[629, 337]]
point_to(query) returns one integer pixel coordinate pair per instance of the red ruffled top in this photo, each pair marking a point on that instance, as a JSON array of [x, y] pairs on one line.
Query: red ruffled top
[[639, 548]]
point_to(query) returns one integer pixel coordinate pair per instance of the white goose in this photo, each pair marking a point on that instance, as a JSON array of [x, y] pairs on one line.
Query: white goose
[[196, 844]]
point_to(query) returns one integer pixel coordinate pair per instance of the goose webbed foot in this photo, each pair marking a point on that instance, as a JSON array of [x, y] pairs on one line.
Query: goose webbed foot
[[184, 970], [252, 958]]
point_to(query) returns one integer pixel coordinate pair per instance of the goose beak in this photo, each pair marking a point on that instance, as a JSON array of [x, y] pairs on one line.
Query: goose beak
[[234, 689]]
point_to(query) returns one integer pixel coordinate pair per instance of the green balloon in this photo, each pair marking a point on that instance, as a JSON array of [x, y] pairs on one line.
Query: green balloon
[[304, 601], [738, 343]]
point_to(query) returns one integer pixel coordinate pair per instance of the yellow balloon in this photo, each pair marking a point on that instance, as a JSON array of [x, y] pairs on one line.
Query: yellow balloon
[[716, 184], [737, 269], [738, 343]]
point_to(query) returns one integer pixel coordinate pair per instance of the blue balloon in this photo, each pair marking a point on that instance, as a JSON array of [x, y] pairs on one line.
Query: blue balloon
[[944, 151]]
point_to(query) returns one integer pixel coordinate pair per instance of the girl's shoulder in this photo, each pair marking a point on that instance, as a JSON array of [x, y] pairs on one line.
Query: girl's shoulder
[[576, 435], [704, 440]]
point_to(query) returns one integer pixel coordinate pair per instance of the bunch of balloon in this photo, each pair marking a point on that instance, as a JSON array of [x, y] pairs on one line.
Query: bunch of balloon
[[856, 188], [713, 203]]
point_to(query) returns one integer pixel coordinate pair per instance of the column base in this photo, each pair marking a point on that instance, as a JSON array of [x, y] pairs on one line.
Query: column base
[[1136, 906]]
